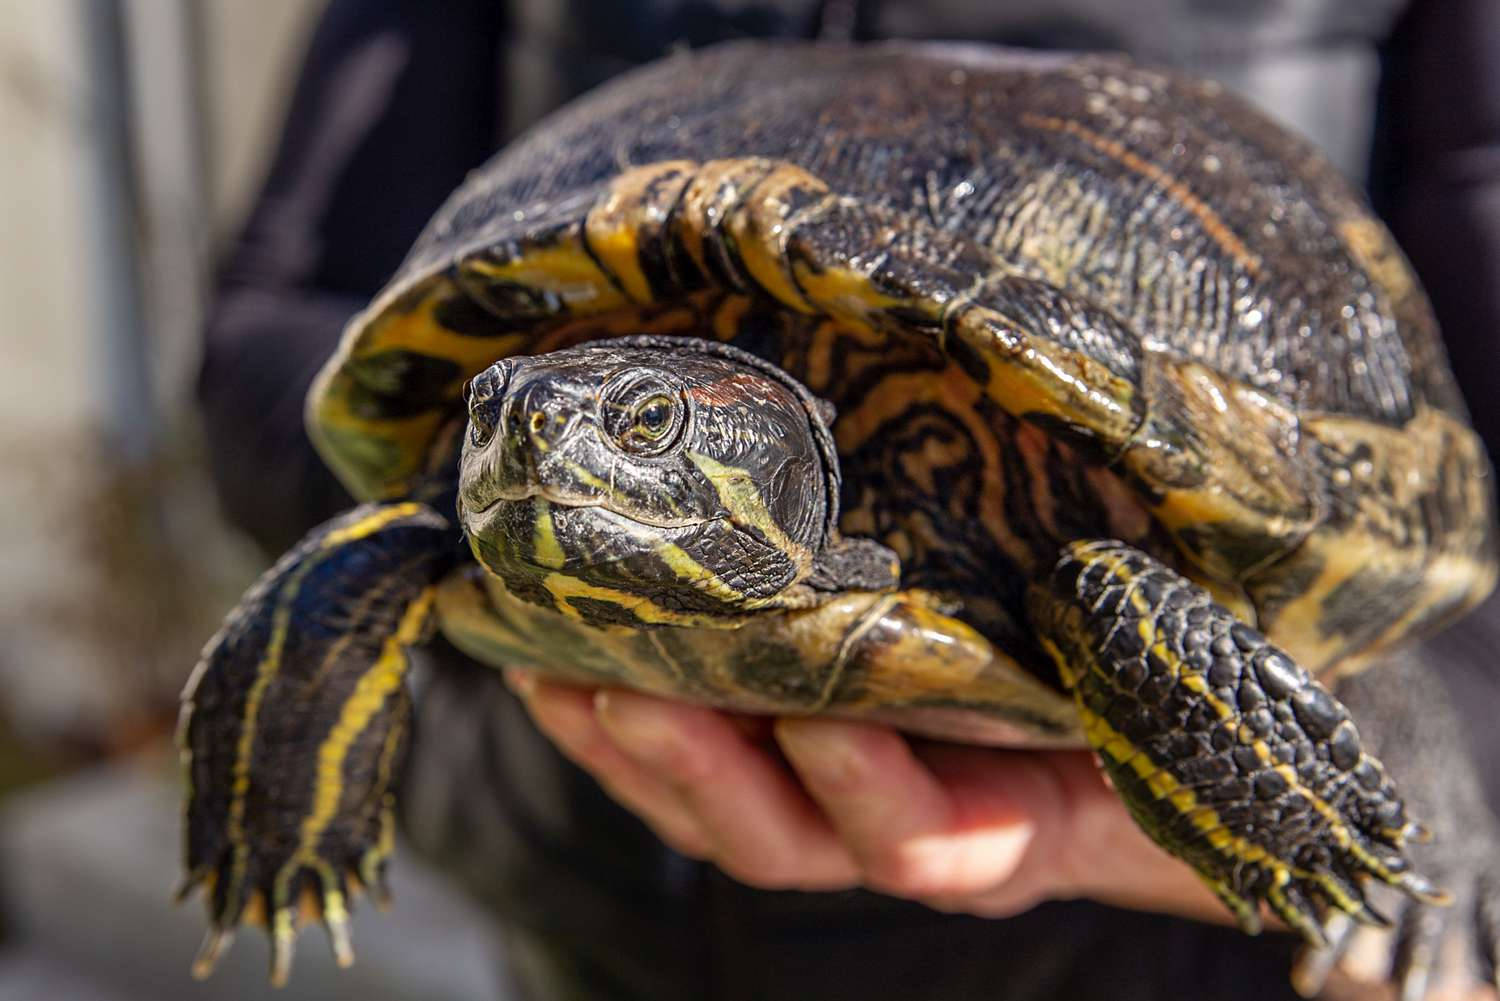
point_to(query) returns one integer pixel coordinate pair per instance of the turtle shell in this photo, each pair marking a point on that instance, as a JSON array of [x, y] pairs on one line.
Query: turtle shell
[[1050, 297]]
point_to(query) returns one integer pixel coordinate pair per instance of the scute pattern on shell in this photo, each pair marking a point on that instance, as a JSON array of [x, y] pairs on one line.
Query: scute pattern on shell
[[1192, 218]]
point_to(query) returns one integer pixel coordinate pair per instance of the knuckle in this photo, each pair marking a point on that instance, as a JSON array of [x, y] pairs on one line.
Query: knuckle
[[689, 772], [566, 730], [657, 749]]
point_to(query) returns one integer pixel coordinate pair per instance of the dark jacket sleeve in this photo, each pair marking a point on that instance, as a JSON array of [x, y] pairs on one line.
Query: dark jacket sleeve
[[394, 104], [1437, 180]]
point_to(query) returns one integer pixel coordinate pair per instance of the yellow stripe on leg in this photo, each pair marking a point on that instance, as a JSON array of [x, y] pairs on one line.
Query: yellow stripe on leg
[[370, 694]]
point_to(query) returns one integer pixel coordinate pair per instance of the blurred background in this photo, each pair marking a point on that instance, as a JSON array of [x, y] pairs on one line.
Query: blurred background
[[136, 136]]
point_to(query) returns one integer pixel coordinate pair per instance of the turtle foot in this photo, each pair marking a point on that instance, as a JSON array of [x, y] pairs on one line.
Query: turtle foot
[[1227, 752], [294, 724], [285, 895]]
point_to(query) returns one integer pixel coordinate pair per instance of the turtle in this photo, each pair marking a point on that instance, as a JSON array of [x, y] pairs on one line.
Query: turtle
[[1035, 400]]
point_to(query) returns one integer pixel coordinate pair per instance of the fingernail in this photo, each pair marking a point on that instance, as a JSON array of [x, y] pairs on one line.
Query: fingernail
[[521, 682]]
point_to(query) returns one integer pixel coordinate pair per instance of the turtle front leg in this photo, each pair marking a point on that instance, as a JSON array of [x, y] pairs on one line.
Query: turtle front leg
[[1227, 753], [292, 725]]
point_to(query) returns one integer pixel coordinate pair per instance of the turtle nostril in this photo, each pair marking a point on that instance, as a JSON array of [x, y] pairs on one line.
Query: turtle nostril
[[484, 395], [481, 428]]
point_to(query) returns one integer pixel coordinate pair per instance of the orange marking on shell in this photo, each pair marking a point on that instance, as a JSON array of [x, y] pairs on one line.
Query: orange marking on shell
[[1214, 226]]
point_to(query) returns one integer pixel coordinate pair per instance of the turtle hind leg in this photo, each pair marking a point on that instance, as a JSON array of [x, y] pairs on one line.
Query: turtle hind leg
[[293, 723], [1228, 754]]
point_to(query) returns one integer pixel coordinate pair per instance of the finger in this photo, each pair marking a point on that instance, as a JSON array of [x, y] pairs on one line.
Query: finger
[[909, 832], [1368, 957], [762, 828], [1066, 833], [1020, 810], [1070, 835], [567, 716], [886, 806]]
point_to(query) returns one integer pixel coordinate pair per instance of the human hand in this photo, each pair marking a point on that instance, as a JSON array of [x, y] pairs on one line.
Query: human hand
[[822, 804], [819, 804]]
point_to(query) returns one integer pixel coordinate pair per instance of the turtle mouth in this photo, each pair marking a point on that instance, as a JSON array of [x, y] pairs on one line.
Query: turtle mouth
[[471, 513], [532, 534], [531, 491]]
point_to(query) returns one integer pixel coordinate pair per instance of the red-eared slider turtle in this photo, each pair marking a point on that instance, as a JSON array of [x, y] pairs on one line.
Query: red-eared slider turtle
[[1036, 401]]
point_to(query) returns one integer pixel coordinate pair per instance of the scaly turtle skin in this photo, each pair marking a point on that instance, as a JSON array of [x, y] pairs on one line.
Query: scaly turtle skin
[[1025, 400]]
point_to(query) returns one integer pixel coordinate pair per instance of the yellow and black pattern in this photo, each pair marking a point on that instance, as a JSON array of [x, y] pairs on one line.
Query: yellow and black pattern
[[293, 723], [1227, 752], [655, 481], [1219, 465], [1134, 263], [851, 656], [974, 500]]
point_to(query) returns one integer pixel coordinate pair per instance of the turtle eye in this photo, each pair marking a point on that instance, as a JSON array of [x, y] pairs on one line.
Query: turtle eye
[[483, 395], [644, 414], [653, 417]]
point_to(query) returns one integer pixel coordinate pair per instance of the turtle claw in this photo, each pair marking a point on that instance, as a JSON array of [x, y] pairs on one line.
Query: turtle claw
[[216, 942], [1427, 951], [336, 922], [1417, 833], [295, 894], [1423, 889], [327, 907], [1364, 915], [1292, 906], [283, 947]]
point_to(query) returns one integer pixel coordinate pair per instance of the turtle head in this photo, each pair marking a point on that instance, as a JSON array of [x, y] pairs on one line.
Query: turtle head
[[655, 481]]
